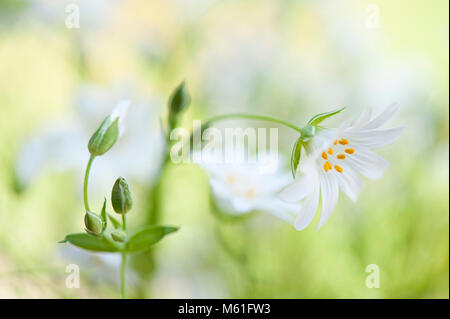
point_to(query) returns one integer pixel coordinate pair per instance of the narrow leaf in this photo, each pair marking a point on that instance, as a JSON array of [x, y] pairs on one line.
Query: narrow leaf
[[295, 156], [147, 237], [90, 242], [322, 116]]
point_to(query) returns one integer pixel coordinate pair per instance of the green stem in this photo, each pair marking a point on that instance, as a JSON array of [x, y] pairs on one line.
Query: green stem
[[86, 181], [124, 222], [253, 117], [124, 261]]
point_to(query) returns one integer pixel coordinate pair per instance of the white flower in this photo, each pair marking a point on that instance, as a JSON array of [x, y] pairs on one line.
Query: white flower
[[240, 188], [334, 159]]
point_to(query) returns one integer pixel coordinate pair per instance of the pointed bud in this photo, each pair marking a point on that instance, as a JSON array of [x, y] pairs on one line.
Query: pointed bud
[[109, 131], [178, 102], [93, 223], [121, 196], [119, 235]]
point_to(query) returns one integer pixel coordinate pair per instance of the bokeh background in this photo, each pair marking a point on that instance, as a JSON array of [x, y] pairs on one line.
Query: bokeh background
[[289, 58]]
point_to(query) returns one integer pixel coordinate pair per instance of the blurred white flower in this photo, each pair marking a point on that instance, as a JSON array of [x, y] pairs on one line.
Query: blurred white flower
[[92, 13], [334, 157], [100, 267], [240, 187], [62, 146]]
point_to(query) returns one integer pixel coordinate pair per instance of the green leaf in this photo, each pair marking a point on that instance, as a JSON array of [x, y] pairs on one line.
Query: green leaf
[[147, 237], [103, 216], [90, 242], [322, 116], [295, 156], [114, 221]]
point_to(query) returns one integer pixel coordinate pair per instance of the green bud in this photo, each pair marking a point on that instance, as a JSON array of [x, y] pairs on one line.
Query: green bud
[[108, 132], [121, 196], [93, 223], [119, 235], [178, 102], [105, 137]]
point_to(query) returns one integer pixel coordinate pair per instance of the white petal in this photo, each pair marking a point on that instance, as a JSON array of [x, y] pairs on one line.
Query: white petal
[[382, 118], [296, 191], [368, 163], [349, 182], [330, 194], [375, 138], [120, 112], [362, 120], [309, 208], [280, 209], [242, 205]]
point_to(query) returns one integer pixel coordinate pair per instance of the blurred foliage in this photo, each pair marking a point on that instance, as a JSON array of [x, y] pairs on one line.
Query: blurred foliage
[[291, 59]]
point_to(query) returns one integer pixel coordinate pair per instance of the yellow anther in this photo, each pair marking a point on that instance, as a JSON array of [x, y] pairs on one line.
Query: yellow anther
[[327, 166], [343, 141], [335, 142], [338, 168], [349, 150], [250, 193], [324, 155], [341, 156], [231, 179], [330, 151]]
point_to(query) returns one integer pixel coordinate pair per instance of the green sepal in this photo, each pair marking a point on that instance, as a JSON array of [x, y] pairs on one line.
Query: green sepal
[[146, 237], [322, 116], [103, 216], [295, 155], [119, 235], [90, 242], [115, 222]]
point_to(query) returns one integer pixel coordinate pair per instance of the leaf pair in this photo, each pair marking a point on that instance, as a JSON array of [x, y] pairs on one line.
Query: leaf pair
[[140, 240]]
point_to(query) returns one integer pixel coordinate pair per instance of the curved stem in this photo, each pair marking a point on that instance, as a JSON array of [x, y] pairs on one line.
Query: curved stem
[[86, 181], [253, 117]]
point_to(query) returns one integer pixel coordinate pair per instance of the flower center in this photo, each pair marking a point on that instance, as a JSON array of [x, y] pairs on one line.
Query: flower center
[[330, 161]]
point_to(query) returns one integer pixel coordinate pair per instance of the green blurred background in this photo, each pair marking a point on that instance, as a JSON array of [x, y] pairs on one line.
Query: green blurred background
[[291, 59]]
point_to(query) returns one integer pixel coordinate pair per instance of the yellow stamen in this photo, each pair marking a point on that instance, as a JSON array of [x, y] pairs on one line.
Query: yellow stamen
[[335, 142], [327, 166], [349, 150], [324, 155], [250, 193], [341, 156], [338, 168], [330, 151], [343, 141], [231, 179]]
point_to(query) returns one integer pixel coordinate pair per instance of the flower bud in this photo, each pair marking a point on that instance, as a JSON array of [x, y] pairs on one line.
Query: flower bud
[[121, 196], [118, 235], [109, 131], [93, 223], [178, 102], [307, 132]]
